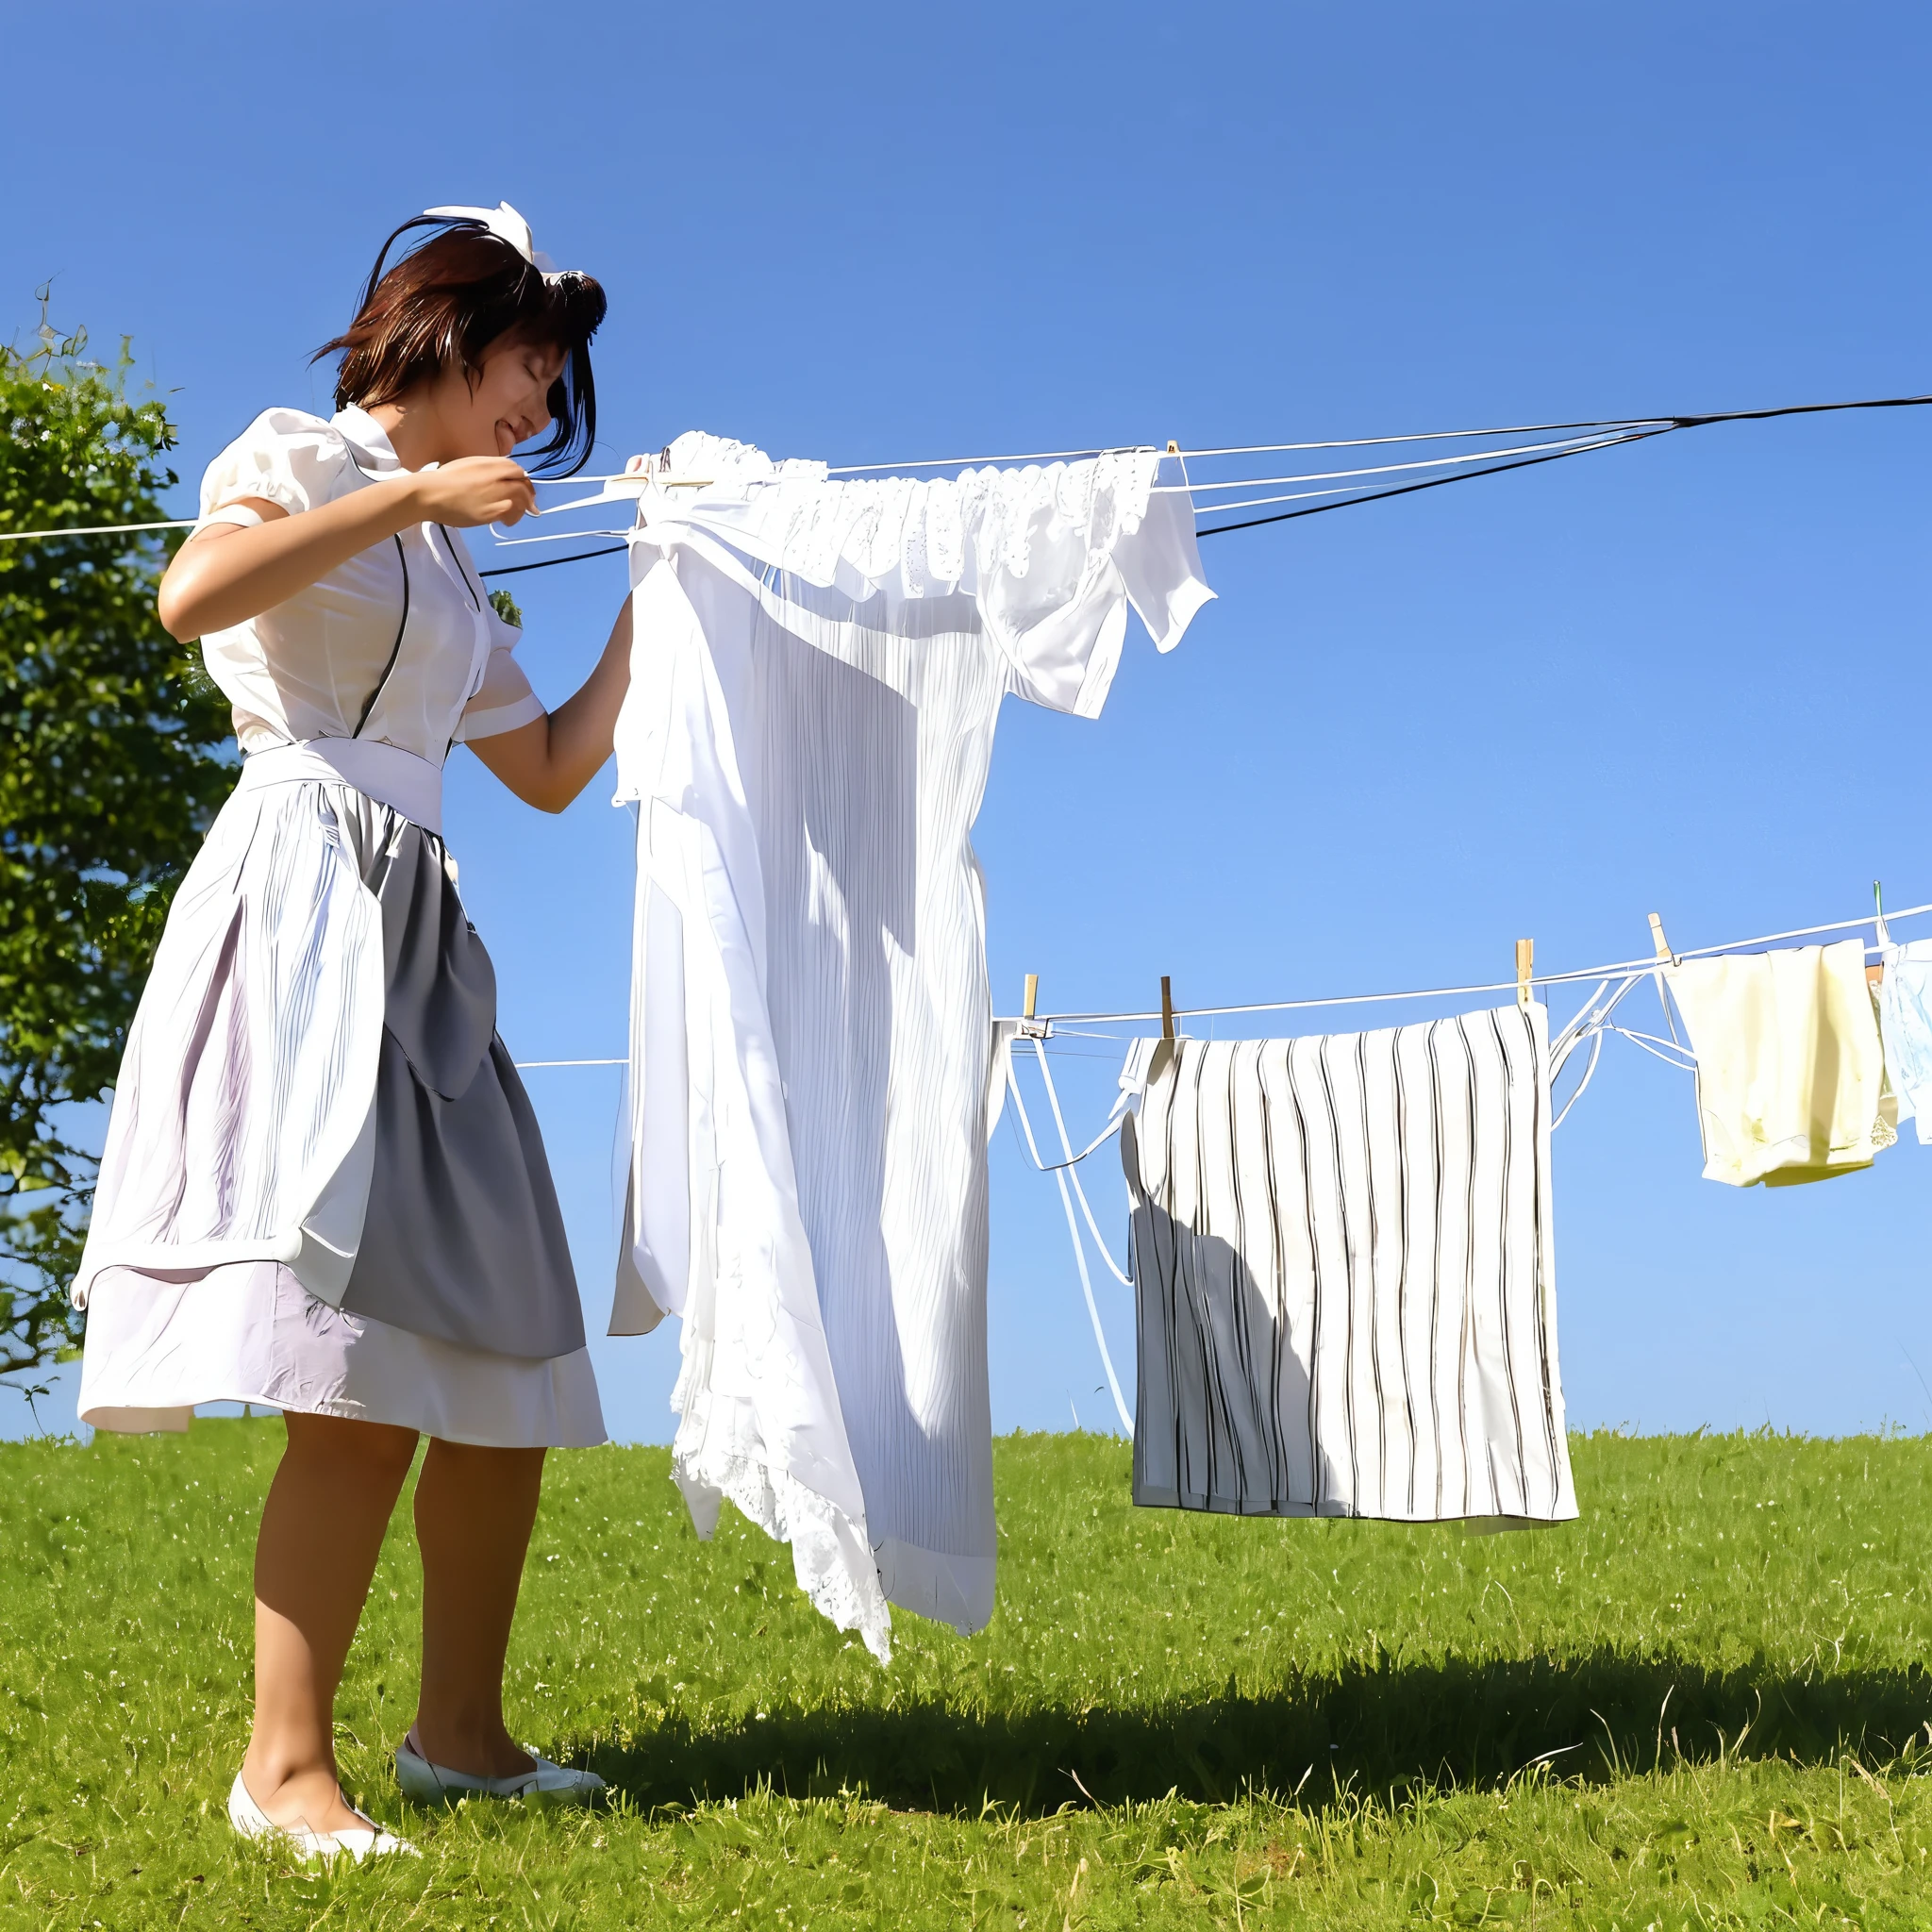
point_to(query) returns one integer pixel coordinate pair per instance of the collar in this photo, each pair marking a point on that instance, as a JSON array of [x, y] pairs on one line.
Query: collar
[[372, 443]]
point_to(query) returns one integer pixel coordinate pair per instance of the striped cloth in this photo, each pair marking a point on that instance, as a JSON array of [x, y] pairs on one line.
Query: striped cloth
[[1343, 1263]]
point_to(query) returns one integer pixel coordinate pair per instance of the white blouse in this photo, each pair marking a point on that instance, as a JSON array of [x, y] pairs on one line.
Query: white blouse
[[399, 645]]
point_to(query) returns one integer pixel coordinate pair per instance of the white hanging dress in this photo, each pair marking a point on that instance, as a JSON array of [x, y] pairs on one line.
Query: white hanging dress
[[817, 672], [323, 1187]]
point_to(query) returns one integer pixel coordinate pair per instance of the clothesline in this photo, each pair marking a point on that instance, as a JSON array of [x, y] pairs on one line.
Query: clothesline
[[1392, 469], [1604, 433], [98, 530], [1574, 439], [1616, 969], [1342, 481], [1600, 422], [1584, 1031]]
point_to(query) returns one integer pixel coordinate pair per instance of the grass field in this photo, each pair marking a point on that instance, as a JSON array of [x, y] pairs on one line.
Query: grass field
[[1703, 1706]]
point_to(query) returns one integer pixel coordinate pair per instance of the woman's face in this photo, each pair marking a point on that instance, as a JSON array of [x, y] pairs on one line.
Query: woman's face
[[507, 405]]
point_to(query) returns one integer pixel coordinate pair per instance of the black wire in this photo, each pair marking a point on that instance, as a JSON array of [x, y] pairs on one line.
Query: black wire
[[1638, 434], [1434, 483], [510, 570], [1795, 410]]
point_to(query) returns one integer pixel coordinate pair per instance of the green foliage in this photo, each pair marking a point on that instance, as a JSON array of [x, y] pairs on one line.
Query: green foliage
[[114, 770], [1704, 1705], [506, 607]]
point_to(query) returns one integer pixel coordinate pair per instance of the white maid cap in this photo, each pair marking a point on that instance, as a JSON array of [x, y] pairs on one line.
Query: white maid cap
[[504, 222]]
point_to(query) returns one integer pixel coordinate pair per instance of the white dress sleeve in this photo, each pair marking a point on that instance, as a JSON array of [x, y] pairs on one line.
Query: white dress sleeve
[[503, 700], [285, 457], [1056, 605]]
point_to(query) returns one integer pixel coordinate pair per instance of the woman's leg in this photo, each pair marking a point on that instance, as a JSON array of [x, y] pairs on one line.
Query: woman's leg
[[475, 1509], [321, 1531]]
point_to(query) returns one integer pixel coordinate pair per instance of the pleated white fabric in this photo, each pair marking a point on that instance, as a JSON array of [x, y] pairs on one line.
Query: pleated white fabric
[[158, 1345], [244, 1125], [1344, 1268], [818, 671]]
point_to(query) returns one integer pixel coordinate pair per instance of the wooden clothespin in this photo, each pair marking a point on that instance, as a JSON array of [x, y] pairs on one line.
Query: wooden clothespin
[[1661, 945], [654, 470], [1031, 1025], [1165, 1049], [1174, 449], [1525, 970]]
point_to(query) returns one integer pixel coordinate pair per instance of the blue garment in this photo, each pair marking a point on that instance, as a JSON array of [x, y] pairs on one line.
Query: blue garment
[[1904, 1003]]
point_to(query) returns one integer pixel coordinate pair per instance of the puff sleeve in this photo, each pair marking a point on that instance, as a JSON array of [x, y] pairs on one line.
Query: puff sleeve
[[503, 701], [285, 457]]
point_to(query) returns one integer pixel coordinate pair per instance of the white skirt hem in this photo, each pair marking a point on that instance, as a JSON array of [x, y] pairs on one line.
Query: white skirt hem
[[159, 1345]]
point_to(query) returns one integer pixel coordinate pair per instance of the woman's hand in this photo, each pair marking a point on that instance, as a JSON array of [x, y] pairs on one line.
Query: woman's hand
[[225, 576], [473, 490]]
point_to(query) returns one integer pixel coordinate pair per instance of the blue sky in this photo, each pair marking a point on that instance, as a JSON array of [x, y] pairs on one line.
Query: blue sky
[[1680, 676]]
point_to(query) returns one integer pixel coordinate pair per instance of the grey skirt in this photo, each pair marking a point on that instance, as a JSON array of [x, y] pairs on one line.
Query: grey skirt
[[462, 1238]]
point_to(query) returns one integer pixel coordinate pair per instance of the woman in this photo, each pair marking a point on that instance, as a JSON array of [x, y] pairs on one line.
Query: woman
[[323, 1189]]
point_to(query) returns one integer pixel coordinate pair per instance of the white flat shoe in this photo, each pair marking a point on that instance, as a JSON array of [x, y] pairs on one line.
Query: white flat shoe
[[251, 1821], [435, 1783]]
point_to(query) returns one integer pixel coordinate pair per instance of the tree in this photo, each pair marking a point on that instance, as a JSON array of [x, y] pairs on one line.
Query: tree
[[115, 762]]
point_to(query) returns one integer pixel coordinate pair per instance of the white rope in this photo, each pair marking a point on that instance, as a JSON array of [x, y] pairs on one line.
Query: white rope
[[1666, 1050], [1094, 1146], [1079, 1253], [1556, 450], [1481, 455], [1597, 1047], [1232, 449], [1591, 1021], [1576, 444], [98, 530], [1633, 968], [1614, 970], [1039, 456], [1588, 1015], [561, 537], [1262, 449], [1072, 1163]]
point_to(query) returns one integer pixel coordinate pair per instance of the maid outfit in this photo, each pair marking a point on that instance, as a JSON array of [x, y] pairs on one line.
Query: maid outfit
[[323, 1188]]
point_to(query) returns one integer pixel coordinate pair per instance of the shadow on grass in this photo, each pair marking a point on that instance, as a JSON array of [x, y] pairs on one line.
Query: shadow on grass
[[1368, 1730]]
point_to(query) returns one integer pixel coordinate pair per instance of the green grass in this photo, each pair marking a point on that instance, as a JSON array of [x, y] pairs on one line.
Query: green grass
[[1704, 1705]]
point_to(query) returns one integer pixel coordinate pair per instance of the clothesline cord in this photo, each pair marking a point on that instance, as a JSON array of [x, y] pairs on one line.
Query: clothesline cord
[[1614, 970], [560, 537], [1649, 424], [1481, 455], [97, 531], [512, 570], [1620, 429], [1316, 509], [1349, 489]]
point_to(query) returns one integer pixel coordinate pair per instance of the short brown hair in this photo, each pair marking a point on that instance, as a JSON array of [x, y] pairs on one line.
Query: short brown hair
[[443, 304]]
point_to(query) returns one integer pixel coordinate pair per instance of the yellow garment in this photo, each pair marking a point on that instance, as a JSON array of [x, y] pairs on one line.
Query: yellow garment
[[1791, 1074]]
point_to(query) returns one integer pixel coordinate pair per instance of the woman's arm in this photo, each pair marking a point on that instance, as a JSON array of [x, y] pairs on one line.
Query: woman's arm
[[549, 761], [226, 575]]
